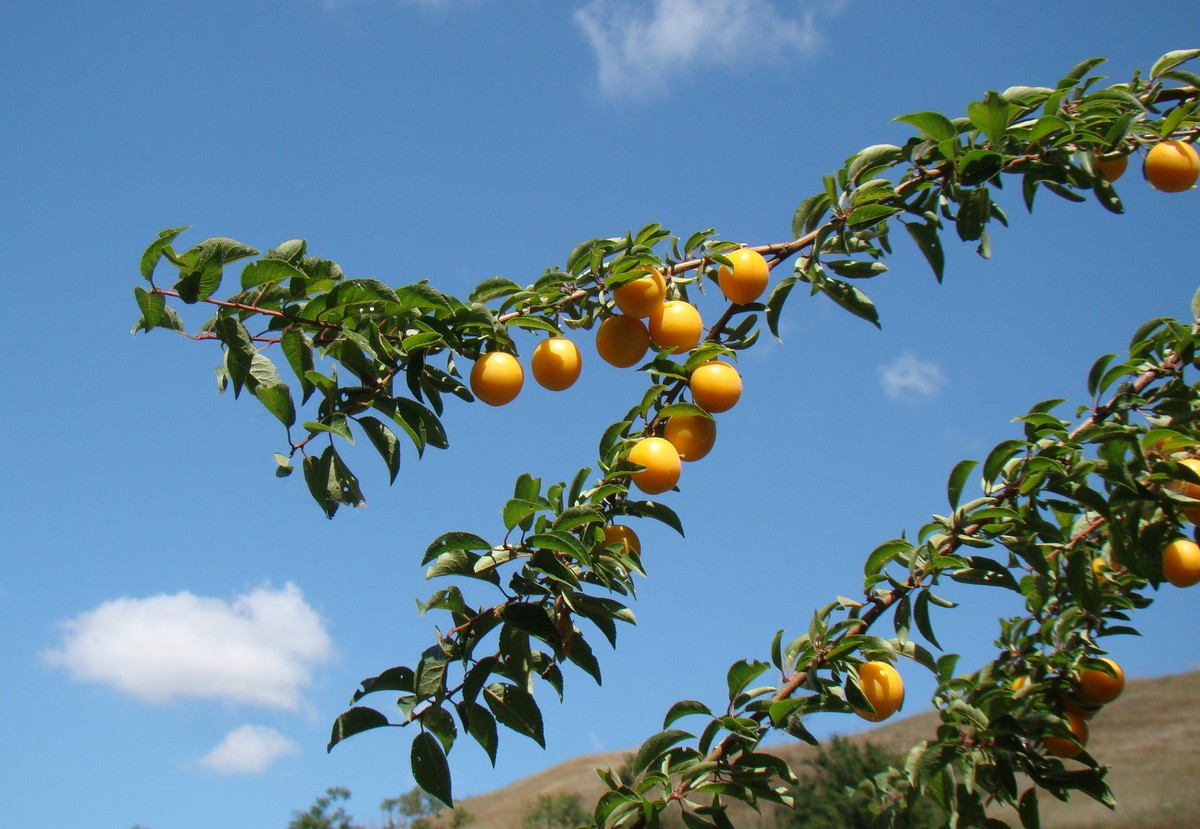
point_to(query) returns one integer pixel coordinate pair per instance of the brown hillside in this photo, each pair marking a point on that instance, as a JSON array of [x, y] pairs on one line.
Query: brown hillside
[[1148, 737]]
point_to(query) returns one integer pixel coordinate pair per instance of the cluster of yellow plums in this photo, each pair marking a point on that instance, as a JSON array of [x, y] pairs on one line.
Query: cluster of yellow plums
[[1171, 166], [1091, 690], [645, 317]]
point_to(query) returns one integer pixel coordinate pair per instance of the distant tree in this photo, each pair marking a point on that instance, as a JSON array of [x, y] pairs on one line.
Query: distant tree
[[320, 816], [411, 810], [562, 810], [833, 795]]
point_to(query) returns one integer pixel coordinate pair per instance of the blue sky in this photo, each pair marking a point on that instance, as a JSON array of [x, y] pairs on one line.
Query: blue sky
[[178, 628]]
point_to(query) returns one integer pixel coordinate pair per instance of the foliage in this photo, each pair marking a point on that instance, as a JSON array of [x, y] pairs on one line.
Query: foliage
[[411, 810], [327, 812], [827, 797], [561, 810], [371, 360]]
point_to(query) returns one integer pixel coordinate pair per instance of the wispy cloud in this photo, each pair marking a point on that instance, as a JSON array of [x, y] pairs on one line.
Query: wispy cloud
[[258, 649], [641, 48], [907, 378], [248, 749]]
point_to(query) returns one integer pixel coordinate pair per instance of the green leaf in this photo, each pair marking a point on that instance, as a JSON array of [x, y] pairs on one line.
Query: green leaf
[[655, 747], [515, 709], [990, 116], [1170, 60], [999, 456], [851, 299], [151, 306], [1077, 72], [385, 442], [932, 125], [685, 708], [1027, 808], [355, 721], [779, 295], [869, 213], [154, 252], [456, 540], [871, 159], [481, 725], [929, 242], [974, 211], [884, 553], [318, 474], [808, 214], [277, 398], [742, 673], [430, 769], [921, 616], [658, 511], [239, 350], [958, 479], [853, 269], [269, 271]]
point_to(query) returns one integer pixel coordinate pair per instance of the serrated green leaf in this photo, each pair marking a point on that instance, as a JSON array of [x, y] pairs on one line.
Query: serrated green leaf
[[355, 721], [430, 769], [515, 709], [654, 747]]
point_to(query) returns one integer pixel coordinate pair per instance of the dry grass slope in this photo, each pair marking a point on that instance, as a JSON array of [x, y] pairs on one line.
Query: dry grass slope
[[1149, 737]]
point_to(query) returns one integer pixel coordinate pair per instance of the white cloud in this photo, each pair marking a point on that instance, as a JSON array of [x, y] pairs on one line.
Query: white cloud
[[248, 749], [906, 378], [257, 649], [641, 50]]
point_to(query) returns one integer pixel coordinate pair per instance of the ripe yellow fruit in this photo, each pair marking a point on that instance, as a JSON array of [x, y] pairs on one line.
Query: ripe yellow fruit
[[662, 465], [676, 325], [748, 278], [1190, 490], [1181, 562], [1068, 748], [884, 689], [642, 296], [1018, 682], [623, 535], [622, 341], [1171, 166], [496, 378], [692, 435], [1095, 687], [716, 386], [556, 363], [1112, 167]]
